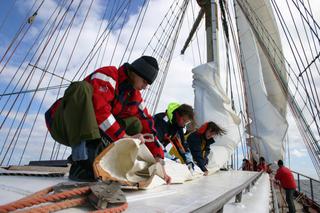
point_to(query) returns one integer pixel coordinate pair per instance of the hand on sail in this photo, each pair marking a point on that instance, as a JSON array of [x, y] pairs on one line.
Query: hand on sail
[[166, 177]]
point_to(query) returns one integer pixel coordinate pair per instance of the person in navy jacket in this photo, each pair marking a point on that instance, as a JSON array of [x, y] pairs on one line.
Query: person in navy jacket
[[199, 143]]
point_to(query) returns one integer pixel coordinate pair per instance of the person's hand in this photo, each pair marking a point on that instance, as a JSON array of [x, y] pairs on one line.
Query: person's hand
[[206, 173], [167, 179]]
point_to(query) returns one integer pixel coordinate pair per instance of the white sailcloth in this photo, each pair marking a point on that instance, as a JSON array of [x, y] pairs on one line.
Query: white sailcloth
[[266, 104], [212, 104]]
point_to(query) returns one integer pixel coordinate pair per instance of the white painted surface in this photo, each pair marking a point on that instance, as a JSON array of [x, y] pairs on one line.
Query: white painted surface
[[168, 198], [257, 200]]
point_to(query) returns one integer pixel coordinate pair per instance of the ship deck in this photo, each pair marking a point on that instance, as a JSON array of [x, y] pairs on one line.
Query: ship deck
[[197, 195]]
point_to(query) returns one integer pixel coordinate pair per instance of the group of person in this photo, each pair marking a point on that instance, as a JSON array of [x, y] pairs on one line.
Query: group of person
[[107, 106], [283, 177], [262, 166]]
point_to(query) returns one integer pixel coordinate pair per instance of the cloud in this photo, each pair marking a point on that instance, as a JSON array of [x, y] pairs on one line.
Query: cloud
[[299, 153]]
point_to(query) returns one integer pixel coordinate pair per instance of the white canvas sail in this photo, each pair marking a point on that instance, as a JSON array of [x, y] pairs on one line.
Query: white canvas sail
[[263, 12], [266, 105], [212, 104]]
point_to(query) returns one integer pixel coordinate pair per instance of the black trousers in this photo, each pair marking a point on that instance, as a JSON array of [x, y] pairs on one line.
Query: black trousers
[[289, 199]]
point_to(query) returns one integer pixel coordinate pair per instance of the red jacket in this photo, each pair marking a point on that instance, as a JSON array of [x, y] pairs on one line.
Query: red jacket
[[284, 175], [262, 167], [115, 98]]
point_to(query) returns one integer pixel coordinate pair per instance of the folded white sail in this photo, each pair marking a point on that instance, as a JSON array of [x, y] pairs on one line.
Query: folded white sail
[[212, 104], [266, 103]]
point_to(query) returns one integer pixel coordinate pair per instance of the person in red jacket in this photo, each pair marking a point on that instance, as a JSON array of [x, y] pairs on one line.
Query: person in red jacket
[[286, 179], [106, 106], [262, 166]]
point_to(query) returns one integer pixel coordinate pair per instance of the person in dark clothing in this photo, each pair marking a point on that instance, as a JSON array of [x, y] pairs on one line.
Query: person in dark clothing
[[199, 143], [246, 166], [169, 126], [106, 106], [286, 179]]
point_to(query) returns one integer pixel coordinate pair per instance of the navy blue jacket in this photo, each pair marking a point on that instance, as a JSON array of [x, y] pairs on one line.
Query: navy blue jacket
[[195, 141], [166, 130]]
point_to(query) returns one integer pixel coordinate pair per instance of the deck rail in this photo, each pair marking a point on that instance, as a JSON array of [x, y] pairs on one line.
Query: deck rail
[[218, 204], [311, 181]]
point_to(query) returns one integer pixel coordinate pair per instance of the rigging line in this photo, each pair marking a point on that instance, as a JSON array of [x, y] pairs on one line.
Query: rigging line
[[183, 11], [285, 90], [48, 62], [307, 67], [20, 79], [23, 83], [139, 28], [106, 36], [310, 47], [43, 145], [192, 9], [165, 36], [111, 24], [24, 61], [26, 55], [64, 152], [313, 93], [35, 90], [111, 14], [236, 47], [314, 21], [304, 136], [7, 15], [32, 71], [77, 39], [30, 132], [160, 25], [7, 150], [64, 39], [119, 35], [46, 71], [294, 106], [290, 45], [192, 50], [19, 42], [97, 36], [23, 24], [242, 67], [41, 42], [314, 42], [65, 35], [57, 152]]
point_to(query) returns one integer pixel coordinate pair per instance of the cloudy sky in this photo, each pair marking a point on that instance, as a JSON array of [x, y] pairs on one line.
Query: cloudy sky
[[178, 86]]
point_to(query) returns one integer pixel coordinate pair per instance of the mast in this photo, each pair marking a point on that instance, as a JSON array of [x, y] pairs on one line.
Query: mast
[[210, 11]]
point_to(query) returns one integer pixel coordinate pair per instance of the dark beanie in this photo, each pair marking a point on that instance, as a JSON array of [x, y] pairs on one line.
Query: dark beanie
[[146, 67]]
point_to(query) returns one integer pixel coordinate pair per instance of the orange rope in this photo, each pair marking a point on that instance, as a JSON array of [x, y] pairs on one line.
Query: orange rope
[[43, 197], [38, 199], [40, 193], [57, 206]]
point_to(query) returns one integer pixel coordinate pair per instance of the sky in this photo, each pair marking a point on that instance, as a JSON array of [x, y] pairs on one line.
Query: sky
[[178, 86]]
